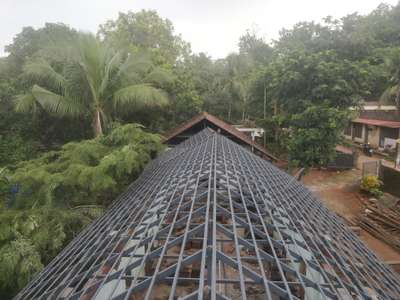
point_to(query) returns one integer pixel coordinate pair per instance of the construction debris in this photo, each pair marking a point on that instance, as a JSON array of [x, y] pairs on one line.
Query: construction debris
[[382, 222]]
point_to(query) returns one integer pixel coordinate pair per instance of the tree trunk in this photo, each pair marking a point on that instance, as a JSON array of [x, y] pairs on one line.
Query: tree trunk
[[275, 107], [229, 110], [96, 124], [244, 108], [275, 114], [265, 101]]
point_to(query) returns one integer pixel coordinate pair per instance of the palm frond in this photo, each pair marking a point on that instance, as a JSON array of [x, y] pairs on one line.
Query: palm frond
[[138, 64], [112, 65], [91, 57], [160, 77], [57, 104], [43, 71], [76, 84], [138, 96], [92, 211], [388, 96], [25, 103]]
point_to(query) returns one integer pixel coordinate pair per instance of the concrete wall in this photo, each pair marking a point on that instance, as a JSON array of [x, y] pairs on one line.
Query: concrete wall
[[342, 161], [362, 139], [380, 115], [391, 179], [357, 139], [373, 136]]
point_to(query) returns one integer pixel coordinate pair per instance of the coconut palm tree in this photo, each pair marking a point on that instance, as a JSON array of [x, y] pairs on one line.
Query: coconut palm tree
[[392, 93], [96, 81], [238, 68]]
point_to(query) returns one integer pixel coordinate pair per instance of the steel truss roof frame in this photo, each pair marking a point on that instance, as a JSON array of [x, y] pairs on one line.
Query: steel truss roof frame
[[210, 220]]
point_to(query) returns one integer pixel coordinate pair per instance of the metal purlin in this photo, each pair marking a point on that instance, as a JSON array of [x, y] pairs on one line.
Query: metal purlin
[[208, 219]]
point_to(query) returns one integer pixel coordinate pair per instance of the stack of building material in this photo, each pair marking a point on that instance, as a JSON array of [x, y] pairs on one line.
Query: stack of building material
[[383, 223]]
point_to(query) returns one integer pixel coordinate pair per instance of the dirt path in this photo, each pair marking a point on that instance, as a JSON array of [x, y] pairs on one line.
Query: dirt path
[[339, 191]]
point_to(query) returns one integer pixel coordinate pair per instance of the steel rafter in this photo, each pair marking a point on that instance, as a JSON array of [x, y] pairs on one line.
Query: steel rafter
[[210, 220]]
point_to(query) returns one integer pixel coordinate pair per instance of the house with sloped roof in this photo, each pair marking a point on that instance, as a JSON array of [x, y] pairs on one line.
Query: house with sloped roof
[[378, 125], [235, 133]]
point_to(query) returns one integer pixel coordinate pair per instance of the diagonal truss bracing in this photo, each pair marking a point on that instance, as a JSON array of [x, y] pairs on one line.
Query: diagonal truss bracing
[[210, 220]]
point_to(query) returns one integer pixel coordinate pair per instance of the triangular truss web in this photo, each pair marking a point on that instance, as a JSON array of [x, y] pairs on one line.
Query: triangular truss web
[[210, 220]]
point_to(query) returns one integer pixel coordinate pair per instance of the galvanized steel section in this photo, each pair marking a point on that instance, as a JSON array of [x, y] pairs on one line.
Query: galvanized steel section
[[210, 220]]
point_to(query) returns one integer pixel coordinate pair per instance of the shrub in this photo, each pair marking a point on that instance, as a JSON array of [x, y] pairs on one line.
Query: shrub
[[46, 201], [84, 173], [30, 238], [14, 148], [372, 185], [19, 261]]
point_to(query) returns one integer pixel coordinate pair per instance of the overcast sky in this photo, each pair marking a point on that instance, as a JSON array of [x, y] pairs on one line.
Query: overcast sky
[[211, 26]]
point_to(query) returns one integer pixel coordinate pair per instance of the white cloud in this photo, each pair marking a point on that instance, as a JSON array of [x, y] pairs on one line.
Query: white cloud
[[212, 26]]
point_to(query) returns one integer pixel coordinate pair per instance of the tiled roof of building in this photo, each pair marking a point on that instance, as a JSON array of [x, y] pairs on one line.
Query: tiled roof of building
[[219, 124], [383, 123]]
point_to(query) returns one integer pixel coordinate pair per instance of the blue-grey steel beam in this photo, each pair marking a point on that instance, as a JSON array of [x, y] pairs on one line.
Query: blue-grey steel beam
[[210, 220]]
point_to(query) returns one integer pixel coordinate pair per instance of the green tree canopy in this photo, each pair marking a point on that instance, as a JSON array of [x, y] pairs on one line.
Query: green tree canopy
[[392, 92], [83, 173], [310, 94], [97, 81], [45, 202], [30, 41], [145, 31]]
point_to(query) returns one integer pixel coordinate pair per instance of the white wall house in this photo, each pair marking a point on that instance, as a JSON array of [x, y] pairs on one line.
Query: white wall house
[[380, 134], [378, 125]]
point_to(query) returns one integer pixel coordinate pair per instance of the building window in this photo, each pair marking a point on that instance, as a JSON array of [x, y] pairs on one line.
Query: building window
[[390, 133], [347, 130], [358, 129]]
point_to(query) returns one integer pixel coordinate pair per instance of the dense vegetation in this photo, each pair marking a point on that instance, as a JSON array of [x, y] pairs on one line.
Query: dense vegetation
[[65, 96], [83, 173], [47, 200]]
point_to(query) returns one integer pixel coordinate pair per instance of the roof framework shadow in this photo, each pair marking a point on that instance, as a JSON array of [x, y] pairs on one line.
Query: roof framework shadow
[[208, 219]]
